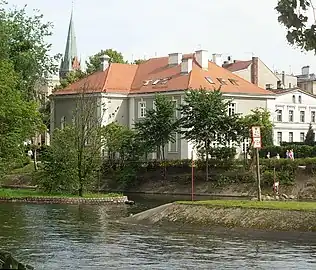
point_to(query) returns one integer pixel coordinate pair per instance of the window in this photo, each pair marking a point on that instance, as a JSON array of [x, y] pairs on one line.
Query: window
[[302, 116], [222, 81], [268, 86], [302, 137], [233, 81], [290, 136], [141, 109], [313, 116], [299, 99], [209, 79], [175, 104], [173, 145], [62, 122], [291, 116], [293, 99], [231, 109], [279, 138], [290, 85], [245, 145], [279, 115]]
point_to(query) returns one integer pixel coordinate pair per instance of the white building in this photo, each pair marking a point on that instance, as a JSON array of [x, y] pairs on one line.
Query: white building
[[292, 112]]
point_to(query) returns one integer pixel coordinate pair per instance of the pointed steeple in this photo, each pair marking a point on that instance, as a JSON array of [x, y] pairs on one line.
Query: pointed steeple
[[70, 60]]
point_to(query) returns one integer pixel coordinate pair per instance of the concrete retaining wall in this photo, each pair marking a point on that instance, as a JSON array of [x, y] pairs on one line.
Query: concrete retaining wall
[[46, 200]]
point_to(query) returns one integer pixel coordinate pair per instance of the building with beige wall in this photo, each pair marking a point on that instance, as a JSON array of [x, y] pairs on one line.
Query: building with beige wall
[[307, 80], [126, 91], [258, 73]]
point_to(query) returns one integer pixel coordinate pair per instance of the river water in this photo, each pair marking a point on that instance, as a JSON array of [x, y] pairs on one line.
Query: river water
[[85, 237]]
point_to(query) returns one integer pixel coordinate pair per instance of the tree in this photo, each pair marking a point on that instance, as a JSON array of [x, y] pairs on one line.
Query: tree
[[205, 119], [70, 78], [310, 136], [259, 117], [94, 62], [293, 14], [23, 43], [159, 125], [79, 145], [139, 61], [19, 119]]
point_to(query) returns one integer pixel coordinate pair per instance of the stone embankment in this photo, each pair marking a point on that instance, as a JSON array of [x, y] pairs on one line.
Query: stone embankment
[[229, 217], [57, 200]]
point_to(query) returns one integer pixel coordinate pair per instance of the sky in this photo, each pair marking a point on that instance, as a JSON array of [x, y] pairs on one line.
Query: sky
[[150, 28]]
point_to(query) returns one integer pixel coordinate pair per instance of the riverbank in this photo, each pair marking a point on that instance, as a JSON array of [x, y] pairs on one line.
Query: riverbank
[[35, 196], [268, 216]]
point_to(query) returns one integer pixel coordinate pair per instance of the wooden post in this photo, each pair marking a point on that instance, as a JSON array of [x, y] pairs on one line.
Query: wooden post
[[192, 177], [258, 174]]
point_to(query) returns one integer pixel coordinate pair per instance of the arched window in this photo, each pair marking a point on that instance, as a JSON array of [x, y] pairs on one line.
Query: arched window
[[293, 98]]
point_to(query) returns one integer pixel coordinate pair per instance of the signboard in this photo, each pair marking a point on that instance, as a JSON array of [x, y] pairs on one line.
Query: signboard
[[256, 137]]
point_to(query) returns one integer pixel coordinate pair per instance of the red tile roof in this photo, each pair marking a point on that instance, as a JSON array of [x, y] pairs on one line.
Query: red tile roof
[[238, 65], [138, 79]]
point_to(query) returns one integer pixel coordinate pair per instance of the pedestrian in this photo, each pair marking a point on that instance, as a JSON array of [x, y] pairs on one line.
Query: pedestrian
[[278, 156], [287, 154], [291, 154], [268, 155]]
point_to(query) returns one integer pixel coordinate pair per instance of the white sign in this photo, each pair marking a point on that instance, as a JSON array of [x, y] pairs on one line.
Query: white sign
[[257, 142], [256, 132]]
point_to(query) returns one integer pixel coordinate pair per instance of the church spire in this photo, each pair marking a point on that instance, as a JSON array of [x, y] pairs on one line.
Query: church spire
[[70, 60]]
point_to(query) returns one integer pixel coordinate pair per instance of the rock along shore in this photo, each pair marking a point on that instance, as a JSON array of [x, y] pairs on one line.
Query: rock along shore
[[57, 200], [229, 217]]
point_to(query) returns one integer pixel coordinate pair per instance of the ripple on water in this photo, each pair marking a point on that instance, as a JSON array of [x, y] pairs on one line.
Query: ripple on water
[[83, 237]]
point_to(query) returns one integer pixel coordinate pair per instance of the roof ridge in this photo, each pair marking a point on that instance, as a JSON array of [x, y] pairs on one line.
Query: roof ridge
[[103, 89]]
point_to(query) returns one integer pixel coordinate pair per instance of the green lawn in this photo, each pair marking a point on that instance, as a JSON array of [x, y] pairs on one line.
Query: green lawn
[[279, 205], [22, 193]]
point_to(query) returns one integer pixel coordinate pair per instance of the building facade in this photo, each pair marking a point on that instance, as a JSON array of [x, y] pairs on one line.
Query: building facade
[[125, 91], [293, 110], [307, 80]]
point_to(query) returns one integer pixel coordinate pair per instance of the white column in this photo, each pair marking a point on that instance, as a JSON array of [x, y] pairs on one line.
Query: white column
[[131, 114]]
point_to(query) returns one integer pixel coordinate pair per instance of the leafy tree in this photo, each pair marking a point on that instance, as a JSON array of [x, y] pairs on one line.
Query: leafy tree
[[19, 119], [80, 143], [70, 78], [23, 43], [159, 125], [294, 15], [139, 61], [259, 117], [310, 136], [94, 62], [205, 119]]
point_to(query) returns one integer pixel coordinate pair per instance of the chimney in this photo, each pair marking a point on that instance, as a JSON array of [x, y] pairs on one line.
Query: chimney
[[254, 70], [186, 65], [217, 59], [201, 58], [104, 62], [283, 78], [305, 70], [230, 59], [174, 59]]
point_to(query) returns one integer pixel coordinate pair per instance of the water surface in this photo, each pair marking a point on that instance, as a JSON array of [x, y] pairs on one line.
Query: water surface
[[85, 237]]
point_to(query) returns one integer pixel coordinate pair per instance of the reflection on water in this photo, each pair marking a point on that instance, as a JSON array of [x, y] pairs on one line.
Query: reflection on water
[[85, 237]]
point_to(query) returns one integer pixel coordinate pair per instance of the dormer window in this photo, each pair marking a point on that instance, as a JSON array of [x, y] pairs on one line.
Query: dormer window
[[209, 79], [293, 99], [299, 99], [222, 81], [233, 81]]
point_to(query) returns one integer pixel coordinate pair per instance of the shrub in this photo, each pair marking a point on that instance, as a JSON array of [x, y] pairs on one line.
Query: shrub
[[300, 151]]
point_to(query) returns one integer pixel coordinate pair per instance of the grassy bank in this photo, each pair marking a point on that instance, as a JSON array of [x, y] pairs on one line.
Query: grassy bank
[[273, 205], [23, 193]]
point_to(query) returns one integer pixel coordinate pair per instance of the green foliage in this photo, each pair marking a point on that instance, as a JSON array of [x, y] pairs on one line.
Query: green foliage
[[23, 43], [310, 136], [294, 15], [139, 61], [159, 125], [259, 117], [60, 163], [70, 78], [94, 62]]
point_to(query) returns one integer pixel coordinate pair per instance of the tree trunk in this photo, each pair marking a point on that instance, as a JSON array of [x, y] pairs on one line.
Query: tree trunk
[[35, 159], [81, 188], [164, 164], [206, 160]]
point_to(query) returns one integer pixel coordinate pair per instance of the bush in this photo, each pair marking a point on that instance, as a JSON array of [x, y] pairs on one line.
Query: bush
[[300, 151]]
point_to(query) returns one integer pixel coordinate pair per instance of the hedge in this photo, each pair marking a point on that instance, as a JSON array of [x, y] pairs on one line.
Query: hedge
[[300, 151]]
